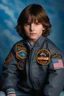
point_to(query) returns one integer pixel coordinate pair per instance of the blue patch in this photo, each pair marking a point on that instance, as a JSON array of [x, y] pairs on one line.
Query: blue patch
[[22, 54], [22, 64]]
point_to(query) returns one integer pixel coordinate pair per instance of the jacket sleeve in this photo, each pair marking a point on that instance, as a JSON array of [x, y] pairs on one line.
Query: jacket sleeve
[[55, 79], [9, 74]]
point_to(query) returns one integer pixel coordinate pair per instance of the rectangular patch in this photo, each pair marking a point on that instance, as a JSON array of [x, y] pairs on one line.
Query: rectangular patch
[[43, 58], [57, 63]]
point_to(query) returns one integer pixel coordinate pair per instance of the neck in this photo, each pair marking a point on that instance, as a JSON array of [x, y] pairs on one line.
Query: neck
[[32, 42]]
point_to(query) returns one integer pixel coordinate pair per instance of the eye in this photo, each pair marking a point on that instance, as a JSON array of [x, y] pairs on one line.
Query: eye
[[27, 24]]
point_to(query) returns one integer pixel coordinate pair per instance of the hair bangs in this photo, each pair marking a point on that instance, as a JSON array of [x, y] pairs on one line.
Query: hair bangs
[[33, 19]]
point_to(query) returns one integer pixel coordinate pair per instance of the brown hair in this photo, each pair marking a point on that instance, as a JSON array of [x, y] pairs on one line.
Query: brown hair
[[32, 13]]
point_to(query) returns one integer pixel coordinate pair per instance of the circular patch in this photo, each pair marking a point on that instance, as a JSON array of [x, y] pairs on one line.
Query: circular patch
[[21, 65], [43, 57], [8, 59]]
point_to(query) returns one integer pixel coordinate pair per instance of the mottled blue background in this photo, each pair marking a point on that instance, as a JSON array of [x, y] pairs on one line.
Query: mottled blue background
[[9, 12]]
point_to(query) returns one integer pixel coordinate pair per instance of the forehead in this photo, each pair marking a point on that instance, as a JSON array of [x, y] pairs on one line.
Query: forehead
[[32, 19]]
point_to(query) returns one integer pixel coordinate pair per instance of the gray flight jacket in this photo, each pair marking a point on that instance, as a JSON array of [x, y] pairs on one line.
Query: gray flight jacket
[[37, 69]]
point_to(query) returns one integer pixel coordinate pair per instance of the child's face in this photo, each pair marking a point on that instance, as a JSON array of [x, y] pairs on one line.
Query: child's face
[[33, 30]]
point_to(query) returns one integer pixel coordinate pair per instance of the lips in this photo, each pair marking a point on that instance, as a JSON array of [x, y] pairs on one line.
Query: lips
[[32, 33]]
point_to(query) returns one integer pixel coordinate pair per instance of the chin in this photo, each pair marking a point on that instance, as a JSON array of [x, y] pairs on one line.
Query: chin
[[34, 38]]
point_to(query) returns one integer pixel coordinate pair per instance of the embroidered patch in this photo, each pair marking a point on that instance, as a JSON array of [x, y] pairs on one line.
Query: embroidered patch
[[57, 55], [19, 47], [21, 52], [43, 57], [21, 65], [57, 63], [8, 59]]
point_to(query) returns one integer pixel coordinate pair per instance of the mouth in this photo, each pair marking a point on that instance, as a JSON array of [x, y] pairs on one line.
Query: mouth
[[32, 33]]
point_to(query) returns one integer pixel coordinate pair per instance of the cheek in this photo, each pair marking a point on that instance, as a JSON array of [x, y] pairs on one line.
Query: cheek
[[26, 30], [40, 29]]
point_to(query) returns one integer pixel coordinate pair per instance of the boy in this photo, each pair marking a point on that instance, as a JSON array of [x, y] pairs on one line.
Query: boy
[[34, 66]]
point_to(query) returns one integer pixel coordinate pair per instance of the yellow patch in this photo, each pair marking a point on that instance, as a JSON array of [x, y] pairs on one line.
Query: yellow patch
[[8, 59], [43, 57], [57, 55]]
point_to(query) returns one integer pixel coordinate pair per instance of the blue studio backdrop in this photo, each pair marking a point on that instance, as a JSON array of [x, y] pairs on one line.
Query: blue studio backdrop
[[9, 12]]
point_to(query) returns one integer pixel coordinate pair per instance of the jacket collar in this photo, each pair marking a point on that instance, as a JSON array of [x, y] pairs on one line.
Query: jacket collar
[[38, 43]]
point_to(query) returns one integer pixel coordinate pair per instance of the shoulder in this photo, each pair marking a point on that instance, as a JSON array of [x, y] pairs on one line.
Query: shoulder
[[53, 48], [17, 43]]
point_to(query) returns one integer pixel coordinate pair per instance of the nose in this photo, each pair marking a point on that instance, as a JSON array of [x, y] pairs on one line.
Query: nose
[[32, 27]]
